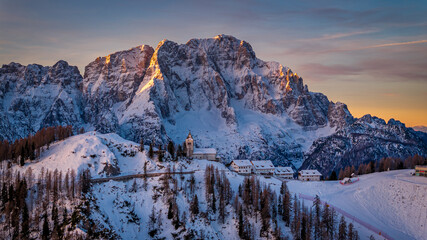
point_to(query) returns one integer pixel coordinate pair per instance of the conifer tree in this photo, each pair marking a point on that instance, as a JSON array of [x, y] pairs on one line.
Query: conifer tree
[[350, 231], [171, 149], [333, 176], [194, 208], [241, 226], [342, 229], [160, 155], [317, 223], [25, 225], [45, 231], [304, 227], [179, 152], [151, 151], [286, 203], [141, 145]]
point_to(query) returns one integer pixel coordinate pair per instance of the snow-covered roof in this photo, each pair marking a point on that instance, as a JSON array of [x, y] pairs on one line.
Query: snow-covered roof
[[283, 170], [204, 151], [264, 164], [243, 163], [310, 173]]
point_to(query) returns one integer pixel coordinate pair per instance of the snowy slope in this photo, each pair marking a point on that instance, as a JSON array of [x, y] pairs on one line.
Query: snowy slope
[[394, 201], [94, 151]]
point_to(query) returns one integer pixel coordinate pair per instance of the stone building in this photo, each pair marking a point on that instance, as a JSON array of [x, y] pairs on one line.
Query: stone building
[[199, 153]]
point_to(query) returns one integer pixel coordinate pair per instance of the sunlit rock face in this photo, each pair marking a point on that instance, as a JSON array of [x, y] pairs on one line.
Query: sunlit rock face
[[216, 87], [34, 96]]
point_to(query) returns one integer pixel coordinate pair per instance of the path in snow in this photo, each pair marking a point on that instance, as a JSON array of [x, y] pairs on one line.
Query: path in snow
[[128, 177]]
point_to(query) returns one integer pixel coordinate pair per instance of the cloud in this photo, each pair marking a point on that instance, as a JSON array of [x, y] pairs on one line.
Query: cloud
[[394, 44], [387, 70], [339, 35]]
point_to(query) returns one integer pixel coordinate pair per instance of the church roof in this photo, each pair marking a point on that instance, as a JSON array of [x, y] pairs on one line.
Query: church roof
[[204, 151]]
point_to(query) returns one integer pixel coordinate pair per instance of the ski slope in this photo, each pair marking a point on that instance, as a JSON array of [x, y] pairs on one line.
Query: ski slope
[[394, 201]]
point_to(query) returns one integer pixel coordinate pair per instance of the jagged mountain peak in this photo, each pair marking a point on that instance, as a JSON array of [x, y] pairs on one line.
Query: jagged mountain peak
[[216, 87]]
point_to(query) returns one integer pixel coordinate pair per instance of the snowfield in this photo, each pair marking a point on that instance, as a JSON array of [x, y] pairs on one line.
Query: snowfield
[[394, 202]]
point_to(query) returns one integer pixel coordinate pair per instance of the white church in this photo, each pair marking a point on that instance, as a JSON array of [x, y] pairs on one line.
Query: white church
[[199, 153]]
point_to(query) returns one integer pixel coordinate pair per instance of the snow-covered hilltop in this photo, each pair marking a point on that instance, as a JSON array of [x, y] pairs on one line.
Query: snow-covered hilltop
[[218, 89]]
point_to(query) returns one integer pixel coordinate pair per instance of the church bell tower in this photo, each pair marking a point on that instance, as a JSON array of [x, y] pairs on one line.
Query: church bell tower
[[189, 144]]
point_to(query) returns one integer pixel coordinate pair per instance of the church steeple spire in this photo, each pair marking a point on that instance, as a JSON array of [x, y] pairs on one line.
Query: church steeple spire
[[189, 135]]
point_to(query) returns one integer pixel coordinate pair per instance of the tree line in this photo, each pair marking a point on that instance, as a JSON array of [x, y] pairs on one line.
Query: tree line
[[384, 164], [31, 146]]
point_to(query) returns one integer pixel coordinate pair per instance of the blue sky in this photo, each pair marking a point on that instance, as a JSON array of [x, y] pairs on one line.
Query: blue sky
[[371, 55]]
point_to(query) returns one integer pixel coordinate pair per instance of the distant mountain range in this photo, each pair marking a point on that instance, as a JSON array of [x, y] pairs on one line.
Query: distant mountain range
[[218, 89]]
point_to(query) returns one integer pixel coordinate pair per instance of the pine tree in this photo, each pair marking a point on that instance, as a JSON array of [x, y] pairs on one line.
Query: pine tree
[[134, 187], [241, 226], [170, 210], [350, 231], [141, 145], [160, 155], [342, 229], [151, 151], [179, 152], [171, 149], [194, 207], [286, 207], [213, 202], [317, 223], [304, 227], [22, 158], [333, 176], [25, 225], [45, 231]]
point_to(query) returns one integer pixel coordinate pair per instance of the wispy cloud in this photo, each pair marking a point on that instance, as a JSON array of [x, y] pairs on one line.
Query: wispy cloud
[[394, 44], [339, 35]]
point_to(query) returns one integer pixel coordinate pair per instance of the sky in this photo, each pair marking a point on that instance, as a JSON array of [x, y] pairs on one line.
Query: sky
[[371, 55]]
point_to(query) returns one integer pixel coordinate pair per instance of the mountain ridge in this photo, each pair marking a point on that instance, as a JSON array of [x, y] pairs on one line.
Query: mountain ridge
[[216, 87]]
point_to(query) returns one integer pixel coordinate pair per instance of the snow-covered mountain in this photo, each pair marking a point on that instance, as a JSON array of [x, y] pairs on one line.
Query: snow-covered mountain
[[368, 138], [217, 88], [34, 96]]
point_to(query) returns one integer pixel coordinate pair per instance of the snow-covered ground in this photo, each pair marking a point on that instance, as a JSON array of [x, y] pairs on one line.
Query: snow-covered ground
[[394, 201], [92, 150], [252, 129]]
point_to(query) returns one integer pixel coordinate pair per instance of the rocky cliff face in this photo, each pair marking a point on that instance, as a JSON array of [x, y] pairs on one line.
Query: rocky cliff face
[[219, 76], [33, 97], [217, 88], [368, 138]]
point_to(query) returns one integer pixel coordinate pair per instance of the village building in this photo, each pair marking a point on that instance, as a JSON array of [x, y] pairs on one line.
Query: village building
[[284, 172], [421, 170], [199, 153], [309, 175], [241, 166], [264, 167]]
